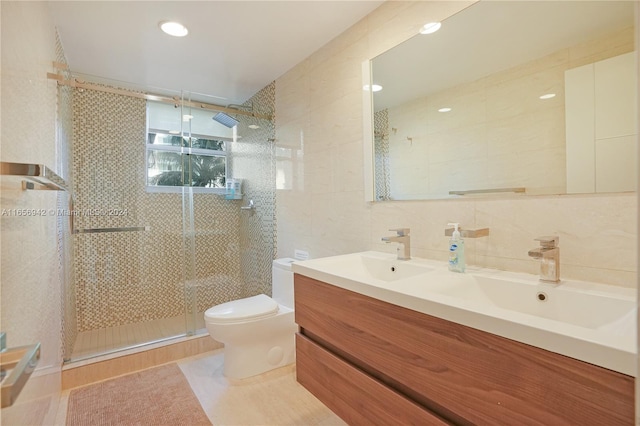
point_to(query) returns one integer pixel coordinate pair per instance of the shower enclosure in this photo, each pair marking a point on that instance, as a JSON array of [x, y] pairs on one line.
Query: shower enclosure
[[381, 155], [157, 240]]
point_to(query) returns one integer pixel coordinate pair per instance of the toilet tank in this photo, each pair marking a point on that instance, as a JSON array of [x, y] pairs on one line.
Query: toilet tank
[[282, 281]]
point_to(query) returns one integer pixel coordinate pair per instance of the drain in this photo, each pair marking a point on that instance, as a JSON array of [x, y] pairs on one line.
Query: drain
[[542, 296]]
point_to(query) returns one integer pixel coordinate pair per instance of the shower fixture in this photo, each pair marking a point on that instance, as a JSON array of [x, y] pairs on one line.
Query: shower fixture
[[236, 106], [225, 119]]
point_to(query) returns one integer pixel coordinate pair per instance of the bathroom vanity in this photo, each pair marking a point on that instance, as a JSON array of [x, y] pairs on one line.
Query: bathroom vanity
[[376, 362]]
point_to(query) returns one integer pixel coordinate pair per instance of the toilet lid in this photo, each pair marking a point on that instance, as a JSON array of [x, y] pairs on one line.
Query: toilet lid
[[249, 308]]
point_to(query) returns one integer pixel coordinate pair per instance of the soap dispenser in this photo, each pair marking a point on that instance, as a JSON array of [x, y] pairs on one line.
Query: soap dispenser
[[456, 250]]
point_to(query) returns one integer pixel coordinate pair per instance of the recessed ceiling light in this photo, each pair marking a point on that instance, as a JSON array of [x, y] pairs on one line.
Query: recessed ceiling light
[[187, 117], [446, 109], [253, 126], [548, 96], [430, 28], [373, 87], [175, 29]]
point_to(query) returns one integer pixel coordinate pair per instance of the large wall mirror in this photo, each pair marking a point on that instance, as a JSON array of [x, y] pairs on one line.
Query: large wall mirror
[[524, 97]]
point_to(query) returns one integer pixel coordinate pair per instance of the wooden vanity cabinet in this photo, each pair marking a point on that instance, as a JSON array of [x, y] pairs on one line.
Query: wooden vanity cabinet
[[373, 362]]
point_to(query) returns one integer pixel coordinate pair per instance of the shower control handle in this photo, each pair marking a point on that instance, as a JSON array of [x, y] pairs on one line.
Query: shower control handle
[[251, 206]]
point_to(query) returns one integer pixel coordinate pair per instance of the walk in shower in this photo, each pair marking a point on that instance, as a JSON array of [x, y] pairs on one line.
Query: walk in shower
[[157, 237]]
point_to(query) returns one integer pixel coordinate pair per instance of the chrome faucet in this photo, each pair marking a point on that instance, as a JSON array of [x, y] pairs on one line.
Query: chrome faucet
[[403, 239], [549, 255]]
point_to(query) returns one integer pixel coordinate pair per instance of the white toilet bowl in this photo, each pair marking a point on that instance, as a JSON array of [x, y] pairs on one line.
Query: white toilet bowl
[[258, 332]]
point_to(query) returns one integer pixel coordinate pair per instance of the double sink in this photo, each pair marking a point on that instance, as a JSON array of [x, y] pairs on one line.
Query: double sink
[[589, 321]]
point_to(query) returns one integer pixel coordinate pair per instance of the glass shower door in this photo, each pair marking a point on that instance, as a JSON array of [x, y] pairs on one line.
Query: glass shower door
[[127, 266], [228, 250]]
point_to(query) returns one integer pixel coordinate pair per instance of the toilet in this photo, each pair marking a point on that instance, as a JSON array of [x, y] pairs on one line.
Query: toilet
[[258, 332]]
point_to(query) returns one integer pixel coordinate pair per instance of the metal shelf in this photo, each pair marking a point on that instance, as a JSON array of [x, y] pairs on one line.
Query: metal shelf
[[487, 191], [107, 230], [39, 176], [17, 364]]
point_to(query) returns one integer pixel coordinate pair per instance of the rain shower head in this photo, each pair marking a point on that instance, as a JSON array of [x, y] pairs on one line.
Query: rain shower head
[[225, 119]]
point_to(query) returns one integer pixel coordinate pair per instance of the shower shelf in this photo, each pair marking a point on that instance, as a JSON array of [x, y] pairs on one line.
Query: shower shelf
[[39, 176], [487, 191]]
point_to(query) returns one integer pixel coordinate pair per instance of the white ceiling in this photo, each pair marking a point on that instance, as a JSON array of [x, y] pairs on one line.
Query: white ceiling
[[233, 49]]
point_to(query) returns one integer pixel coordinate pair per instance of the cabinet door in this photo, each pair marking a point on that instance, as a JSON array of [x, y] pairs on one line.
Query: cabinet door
[[356, 397], [464, 375]]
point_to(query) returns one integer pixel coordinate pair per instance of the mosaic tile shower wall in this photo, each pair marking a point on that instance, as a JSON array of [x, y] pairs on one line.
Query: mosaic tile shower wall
[[381, 149], [217, 251], [247, 268], [127, 277], [254, 161], [106, 165]]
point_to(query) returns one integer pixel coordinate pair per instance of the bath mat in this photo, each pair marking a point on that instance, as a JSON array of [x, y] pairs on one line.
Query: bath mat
[[158, 396]]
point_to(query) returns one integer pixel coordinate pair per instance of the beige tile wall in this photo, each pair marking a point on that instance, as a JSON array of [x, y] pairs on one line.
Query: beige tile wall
[[319, 104], [31, 279], [29, 255]]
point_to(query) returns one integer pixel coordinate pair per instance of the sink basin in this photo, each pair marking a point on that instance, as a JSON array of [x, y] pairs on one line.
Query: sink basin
[[578, 303], [590, 309], [388, 269], [371, 267]]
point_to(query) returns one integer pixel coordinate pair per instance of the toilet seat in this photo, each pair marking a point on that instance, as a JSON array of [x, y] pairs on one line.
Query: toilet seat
[[247, 309]]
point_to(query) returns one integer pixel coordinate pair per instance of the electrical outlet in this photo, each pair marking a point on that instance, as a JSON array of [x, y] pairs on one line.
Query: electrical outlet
[[301, 254]]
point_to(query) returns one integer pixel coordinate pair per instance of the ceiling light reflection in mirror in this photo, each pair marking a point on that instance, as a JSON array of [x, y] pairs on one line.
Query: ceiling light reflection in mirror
[[173, 28]]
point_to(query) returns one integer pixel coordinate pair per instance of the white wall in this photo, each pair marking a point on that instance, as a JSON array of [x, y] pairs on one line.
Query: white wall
[[30, 272], [319, 119]]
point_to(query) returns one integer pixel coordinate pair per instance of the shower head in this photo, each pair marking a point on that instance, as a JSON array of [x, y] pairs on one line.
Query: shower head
[[225, 119]]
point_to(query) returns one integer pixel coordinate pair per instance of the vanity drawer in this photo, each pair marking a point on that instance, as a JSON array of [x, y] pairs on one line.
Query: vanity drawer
[[353, 395], [464, 375]]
